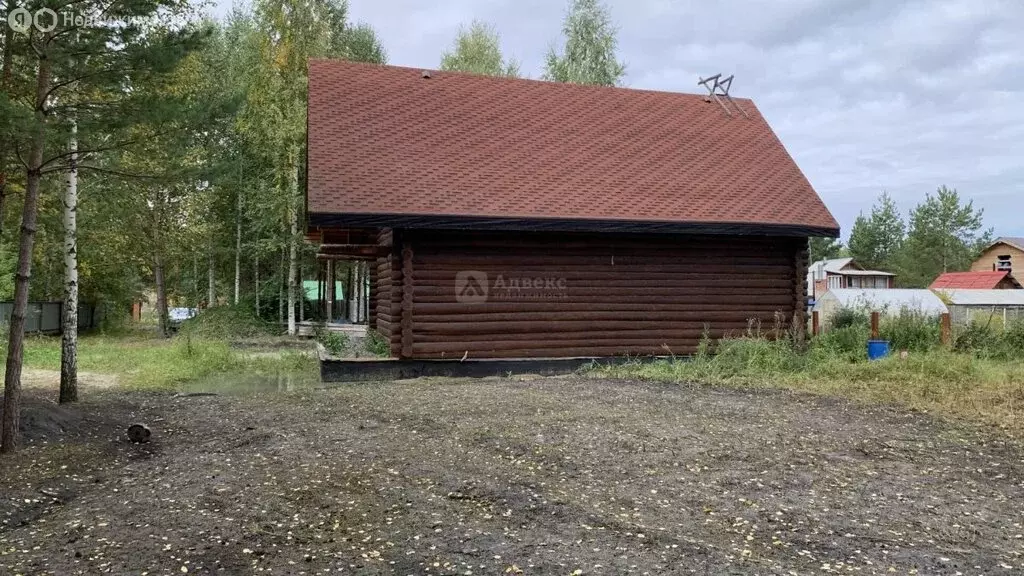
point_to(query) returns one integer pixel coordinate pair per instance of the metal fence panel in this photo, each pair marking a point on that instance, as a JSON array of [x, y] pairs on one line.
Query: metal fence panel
[[45, 317]]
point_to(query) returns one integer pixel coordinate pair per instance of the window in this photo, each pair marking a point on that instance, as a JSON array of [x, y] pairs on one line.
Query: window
[[1003, 263]]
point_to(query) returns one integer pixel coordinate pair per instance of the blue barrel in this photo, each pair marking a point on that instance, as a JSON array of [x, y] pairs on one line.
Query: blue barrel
[[878, 349]]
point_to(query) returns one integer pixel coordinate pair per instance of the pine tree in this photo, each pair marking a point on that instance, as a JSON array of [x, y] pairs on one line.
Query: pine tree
[[81, 75], [876, 240]]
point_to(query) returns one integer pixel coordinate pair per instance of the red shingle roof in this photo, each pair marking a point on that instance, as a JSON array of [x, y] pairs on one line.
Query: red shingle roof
[[968, 280], [385, 140]]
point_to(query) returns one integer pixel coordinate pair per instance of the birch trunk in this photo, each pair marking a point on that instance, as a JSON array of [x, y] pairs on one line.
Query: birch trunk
[[293, 247], [301, 297], [238, 246], [211, 278], [256, 281], [280, 290], [69, 330], [10, 434]]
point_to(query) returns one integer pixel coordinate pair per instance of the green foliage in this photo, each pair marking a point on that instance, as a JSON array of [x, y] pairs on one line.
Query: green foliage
[[945, 236], [377, 344], [875, 241], [476, 50], [848, 343], [956, 384], [989, 338], [848, 316], [8, 263], [226, 322], [589, 53], [825, 248], [333, 342], [360, 43], [910, 330]]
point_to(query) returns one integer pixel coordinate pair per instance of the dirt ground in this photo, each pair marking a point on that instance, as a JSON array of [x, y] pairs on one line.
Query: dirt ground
[[498, 476]]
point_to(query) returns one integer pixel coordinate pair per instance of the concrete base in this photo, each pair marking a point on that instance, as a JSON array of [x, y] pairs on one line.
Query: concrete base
[[377, 370]]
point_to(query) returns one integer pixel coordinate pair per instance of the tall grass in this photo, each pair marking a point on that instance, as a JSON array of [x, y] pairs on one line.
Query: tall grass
[[967, 385], [225, 322]]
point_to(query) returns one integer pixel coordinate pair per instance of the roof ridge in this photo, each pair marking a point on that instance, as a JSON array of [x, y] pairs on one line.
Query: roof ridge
[[436, 72]]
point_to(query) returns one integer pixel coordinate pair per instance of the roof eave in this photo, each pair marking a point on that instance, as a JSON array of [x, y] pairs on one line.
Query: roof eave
[[458, 222]]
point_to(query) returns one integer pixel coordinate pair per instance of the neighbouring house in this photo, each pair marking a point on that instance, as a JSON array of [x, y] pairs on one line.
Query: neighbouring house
[[975, 281], [885, 301], [825, 275], [1006, 254], [984, 305], [519, 218]]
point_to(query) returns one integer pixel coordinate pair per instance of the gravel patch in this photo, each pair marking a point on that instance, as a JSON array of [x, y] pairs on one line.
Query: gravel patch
[[506, 476]]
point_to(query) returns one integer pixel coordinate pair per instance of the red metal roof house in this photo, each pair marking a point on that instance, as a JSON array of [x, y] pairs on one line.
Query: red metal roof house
[[974, 281], [520, 218]]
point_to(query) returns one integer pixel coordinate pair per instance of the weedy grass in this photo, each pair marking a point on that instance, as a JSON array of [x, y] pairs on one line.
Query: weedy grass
[[377, 344], [224, 322], [972, 386], [150, 363]]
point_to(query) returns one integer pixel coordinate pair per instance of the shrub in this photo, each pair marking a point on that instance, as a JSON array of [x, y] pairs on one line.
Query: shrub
[[377, 344], [848, 343], [1013, 339], [910, 330], [223, 322], [847, 317], [333, 342]]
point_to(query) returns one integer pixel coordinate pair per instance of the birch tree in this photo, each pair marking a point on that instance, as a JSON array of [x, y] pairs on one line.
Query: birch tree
[[119, 56], [477, 50], [588, 56]]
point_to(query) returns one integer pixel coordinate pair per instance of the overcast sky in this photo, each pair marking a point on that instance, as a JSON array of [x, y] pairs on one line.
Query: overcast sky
[[867, 95]]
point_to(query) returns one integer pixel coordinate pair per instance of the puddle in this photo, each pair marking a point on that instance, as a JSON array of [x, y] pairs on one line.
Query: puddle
[[242, 384]]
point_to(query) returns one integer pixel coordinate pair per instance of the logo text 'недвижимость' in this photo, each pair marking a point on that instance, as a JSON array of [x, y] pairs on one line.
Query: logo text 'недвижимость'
[[475, 286], [22, 20]]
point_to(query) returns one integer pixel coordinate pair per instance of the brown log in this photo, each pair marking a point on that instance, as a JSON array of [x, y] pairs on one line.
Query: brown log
[[874, 325], [407, 299], [668, 318], [623, 305], [583, 351], [616, 336], [752, 302], [815, 325], [639, 288], [455, 327], [622, 277], [945, 329]]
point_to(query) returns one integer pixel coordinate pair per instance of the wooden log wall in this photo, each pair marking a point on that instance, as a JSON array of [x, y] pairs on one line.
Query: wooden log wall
[[561, 295]]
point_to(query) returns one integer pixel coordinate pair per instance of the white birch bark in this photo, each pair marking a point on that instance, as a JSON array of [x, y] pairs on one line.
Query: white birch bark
[[69, 330], [211, 273], [293, 248], [238, 246]]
